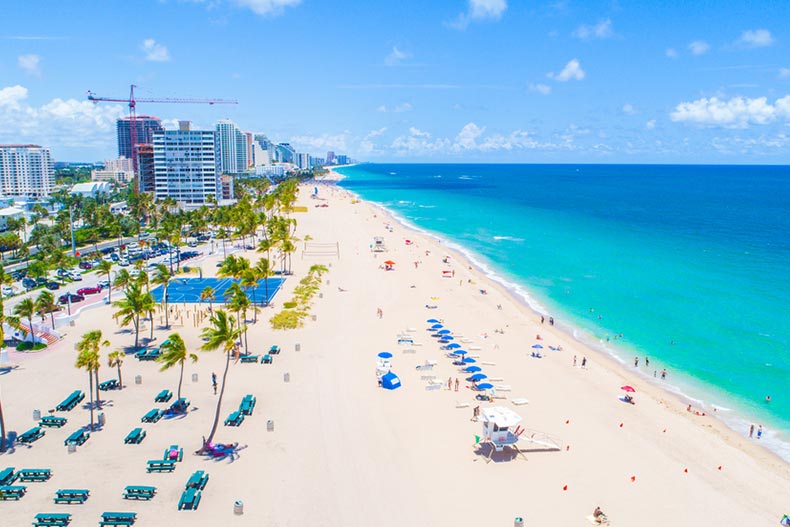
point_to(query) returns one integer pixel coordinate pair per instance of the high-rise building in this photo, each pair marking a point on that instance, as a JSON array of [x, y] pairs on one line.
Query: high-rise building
[[330, 158], [145, 126], [249, 140], [303, 161], [185, 165], [284, 153], [145, 168], [231, 148], [341, 159], [26, 170]]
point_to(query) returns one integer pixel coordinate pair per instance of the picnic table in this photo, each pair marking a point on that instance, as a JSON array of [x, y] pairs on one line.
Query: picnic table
[[190, 499], [138, 492], [71, 495], [247, 404], [77, 438], [51, 518], [180, 406], [31, 435], [250, 358], [148, 354], [197, 480], [274, 350], [234, 419], [160, 465], [135, 437], [112, 384], [163, 396], [267, 359], [7, 476], [53, 421], [33, 474], [118, 518], [71, 401], [8, 492], [174, 453], [152, 416]]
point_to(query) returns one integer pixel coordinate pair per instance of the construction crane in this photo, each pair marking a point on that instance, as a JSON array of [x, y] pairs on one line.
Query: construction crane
[[132, 102]]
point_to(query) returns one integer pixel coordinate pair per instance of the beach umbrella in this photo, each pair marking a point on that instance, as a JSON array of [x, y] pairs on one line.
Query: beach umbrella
[[446, 338], [537, 346], [436, 326], [485, 386], [472, 369], [389, 262], [459, 352], [432, 321], [453, 345], [468, 360], [478, 377], [444, 332], [629, 389], [385, 355]]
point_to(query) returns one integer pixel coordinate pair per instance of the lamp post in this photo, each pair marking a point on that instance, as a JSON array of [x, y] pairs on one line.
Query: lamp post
[[71, 225]]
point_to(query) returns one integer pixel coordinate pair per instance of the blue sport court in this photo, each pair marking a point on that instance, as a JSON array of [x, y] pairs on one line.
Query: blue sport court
[[188, 290]]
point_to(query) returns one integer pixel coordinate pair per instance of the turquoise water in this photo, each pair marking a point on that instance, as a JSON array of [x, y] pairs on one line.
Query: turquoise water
[[688, 263]]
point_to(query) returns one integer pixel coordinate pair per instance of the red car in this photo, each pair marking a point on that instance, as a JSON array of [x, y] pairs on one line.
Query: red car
[[89, 290]]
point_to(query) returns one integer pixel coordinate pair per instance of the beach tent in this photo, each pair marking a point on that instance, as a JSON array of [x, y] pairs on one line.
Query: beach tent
[[390, 381]]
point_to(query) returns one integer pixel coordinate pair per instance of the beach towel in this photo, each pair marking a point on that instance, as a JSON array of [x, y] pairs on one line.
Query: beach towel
[[519, 401]]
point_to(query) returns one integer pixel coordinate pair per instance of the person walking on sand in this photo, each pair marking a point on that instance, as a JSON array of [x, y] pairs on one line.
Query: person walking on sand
[[214, 382], [664, 374], [379, 312], [574, 361], [751, 431], [584, 363], [759, 431], [636, 362], [456, 384], [450, 383]]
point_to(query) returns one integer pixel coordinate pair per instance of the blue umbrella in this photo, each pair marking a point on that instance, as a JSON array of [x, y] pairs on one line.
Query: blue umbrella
[[538, 346], [453, 346], [485, 386], [444, 332], [432, 321], [472, 369], [460, 352], [385, 355], [468, 360], [437, 326], [478, 377]]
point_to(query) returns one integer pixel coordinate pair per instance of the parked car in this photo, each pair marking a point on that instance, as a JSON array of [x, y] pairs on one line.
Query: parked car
[[8, 290], [123, 263], [104, 283], [28, 283], [62, 273], [114, 257], [41, 281], [86, 265], [53, 286], [19, 274], [92, 290], [64, 299], [77, 277]]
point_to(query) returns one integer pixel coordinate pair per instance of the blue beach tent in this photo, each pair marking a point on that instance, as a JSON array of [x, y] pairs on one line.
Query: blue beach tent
[[390, 381]]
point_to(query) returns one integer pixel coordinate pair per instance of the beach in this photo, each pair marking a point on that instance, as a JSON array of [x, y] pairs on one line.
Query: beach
[[344, 452]]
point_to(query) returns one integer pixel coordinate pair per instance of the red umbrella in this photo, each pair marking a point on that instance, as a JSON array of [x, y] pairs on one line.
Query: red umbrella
[[389, 262], [629, 389]]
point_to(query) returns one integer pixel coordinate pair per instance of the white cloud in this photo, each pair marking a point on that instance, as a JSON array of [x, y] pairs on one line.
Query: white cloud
[[418, 142], [396, 57], [784, 73], [471, 138], [629, 109], [738, 112], [399, 108], [543, 89], [601, 30], [154, 51], [756, 38], [367, 146], [268, 7], [479, 10], [30, 63], [57, 123], [699, 47], [321, 142], [572, 70], [671, 53], [651, 124]]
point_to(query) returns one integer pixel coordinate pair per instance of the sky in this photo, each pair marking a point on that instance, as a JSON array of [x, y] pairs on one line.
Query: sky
[[491, 81]]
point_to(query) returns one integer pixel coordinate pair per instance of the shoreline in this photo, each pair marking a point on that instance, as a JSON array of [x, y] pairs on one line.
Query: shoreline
[[669, 395]]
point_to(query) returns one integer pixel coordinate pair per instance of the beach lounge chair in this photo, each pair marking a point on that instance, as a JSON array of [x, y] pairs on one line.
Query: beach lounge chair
[[31, 435], [53, 421], [118, 518], [197, 480], [173, 453], [163, 396], [7, 476], [160, 465], [234, 419], [249, 358], [152, 416], [267, 359], [70, 496], [33, 474], [77, 438], [112, 384], [138, 492], [71, 401], [519, 401], [274, 350], [51, 518], [135, 437], [190, 499], [8, 492], [247, 404]]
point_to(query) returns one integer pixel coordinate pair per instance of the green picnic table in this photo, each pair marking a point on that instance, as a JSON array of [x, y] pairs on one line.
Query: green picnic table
[[7, 476], [112, 384], [247, 404], [152, 416], [53, 421], [135, 437], [163, 396], [190, 499], [71, 496], [77, 438], [118, 518], [234, 419], [51, 518], [197, 480], [174, 453], [267, 359], [31, 435], [139, 492], [34, 474], [249, 358], [71, 401], [160, 465], [9, 492]]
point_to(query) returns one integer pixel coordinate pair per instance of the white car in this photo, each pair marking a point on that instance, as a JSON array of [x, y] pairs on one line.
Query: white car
[[123, 262], [104, 283], [77, 277], [8, 290]]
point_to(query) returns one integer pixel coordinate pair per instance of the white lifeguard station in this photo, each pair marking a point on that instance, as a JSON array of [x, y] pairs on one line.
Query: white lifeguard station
[[378, 245], [500, 428]]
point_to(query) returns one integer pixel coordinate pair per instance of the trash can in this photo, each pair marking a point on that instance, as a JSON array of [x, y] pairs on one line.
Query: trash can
[[72, 448], [238, 507], [138, 379], [313, 317], [298, 347], [320, 295], [194, 377], [327, 282], [270, 425], [101, 419], [36, 415], [518, 522], [287, 377]]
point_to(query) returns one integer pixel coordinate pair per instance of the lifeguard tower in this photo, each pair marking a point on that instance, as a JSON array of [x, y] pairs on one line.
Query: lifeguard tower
[[378, 245], [500, 429]]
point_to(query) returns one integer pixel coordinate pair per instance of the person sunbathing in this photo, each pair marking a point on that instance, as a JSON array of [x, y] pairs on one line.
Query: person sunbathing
[[599, 516]]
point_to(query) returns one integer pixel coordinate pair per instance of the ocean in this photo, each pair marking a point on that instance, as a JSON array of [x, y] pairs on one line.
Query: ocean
[[691, 264]]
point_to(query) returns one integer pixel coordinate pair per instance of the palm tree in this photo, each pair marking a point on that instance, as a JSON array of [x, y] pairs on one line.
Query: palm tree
[[88, 358], [163, 277], [264, 270], [222, 334], [237, 300], [174, 351], [122, 279], [104, 268], [115, 360], [208, 294], [26, 309], [135, 304], [249, 280], [45, 303], [2, 425]]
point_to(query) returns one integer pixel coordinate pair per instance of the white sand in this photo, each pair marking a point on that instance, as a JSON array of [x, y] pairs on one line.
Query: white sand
[[345, 453]]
